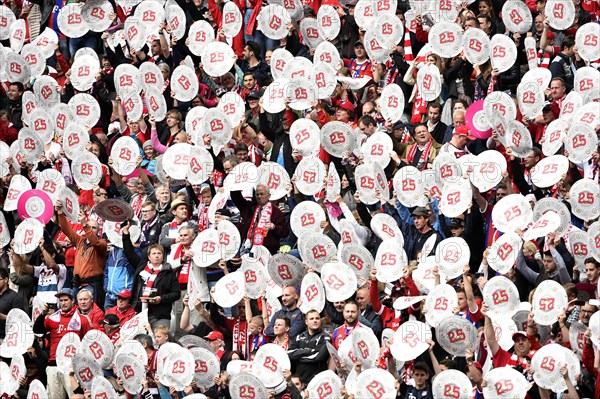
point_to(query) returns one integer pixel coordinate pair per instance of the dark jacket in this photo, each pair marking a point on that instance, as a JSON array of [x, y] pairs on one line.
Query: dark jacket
[[151, 233], [9, 299], [166, 284], [561, 68], [272, 127], [247, 209], [309, 354], [15, 112]]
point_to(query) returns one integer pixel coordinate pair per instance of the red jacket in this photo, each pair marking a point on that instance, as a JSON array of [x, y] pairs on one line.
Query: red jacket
[[125, 316], [588, 361]]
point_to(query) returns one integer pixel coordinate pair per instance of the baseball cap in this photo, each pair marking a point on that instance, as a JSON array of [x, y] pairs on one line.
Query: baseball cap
[[214, 335], [223, 212], [347, 105], [420, 211], [125, 294], [519, 333], [456, 222], [358, 43], [464, 131], [255, 94], [65, 291], [110, 320]]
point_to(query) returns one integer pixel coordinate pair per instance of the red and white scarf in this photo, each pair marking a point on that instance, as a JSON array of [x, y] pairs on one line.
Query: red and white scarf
[[258, 231], [422, 164], [240, 334], [203, 222], [408, 54], [184, 271], [75, 322], [419, 107], [149, 274]]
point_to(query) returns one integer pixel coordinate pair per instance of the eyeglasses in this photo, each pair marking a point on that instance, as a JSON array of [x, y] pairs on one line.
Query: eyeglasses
[[586, 311], [102, 194], [147, 210]]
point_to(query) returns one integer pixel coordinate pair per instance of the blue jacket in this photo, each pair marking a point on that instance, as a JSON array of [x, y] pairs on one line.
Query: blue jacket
[[118, 273]]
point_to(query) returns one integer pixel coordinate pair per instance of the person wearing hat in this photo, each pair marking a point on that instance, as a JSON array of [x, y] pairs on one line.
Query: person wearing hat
[[57, 324], [123, 309], [345, 112], [360, 66], [149, 160], [217, 343], [526, 344], [457, 145], [169, 234], [112, 327]]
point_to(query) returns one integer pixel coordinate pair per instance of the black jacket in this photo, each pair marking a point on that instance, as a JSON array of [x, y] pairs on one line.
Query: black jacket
[[309, 354], [166, 284], [271, 125]]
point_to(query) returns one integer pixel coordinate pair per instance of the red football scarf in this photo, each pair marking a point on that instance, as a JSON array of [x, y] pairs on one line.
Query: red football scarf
[[258, 228]]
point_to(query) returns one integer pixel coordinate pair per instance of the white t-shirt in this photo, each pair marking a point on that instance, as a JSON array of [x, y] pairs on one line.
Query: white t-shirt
[[49, 283]]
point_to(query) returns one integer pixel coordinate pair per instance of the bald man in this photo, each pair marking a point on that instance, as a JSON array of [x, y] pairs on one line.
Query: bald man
[[290, 309]]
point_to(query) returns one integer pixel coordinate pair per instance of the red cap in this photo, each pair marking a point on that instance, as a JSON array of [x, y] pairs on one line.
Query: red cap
[[519, 333], [550, 35], [214, 335], [464, 131], [476, 364], [347, 105], [125, 294], [333, 3]]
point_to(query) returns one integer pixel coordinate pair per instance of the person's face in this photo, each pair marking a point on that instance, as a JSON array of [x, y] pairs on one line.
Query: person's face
[[161, 338], [268, 55], [420, 378], [216, 344], [186, 237], [163, 195], [430, 60], [132, 186], [253, 103], [313, 321], [181, 212], [297, 383], [280, 328], [13, 93], [484, 24], [242, 156], [122, 303], [156, 256], [470, 24], [522, 346], [227, 81], [206, 197], [585, 313], [539, 23], [549, 264], [84, 301], [134, 126], [457, 231], [155, 48], [548, 116], [422, 135], [368, 109], [106, 64], [172, 120], [501, 193], [235, 356], [95, 149], [419, 221], [249, 82], [359, 51], [180, 138], [289, 298], [434, 114], [342, 115], [531, 160], [344, 182], [462, 301], [149, 151], [227, 167], [557, 89], [65, 302], [3, 284], [350, 313], [339, 306], [247, 53], [253, 328], [459, 120], [362, 297], [262, 196], [484, 8], [94, 226], [591, 272], [100, 195]]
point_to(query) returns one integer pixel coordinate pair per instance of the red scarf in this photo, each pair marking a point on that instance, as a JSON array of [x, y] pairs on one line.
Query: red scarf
[[240, 334], [419, 108], [137, 205], [424, 155], [203, 222], [184, 271], [258, 227], [408, 54], [149, 275]]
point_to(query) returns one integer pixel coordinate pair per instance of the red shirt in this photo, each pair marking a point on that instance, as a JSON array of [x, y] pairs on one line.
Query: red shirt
[[125, 316], [59, 324], [95, 315]]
